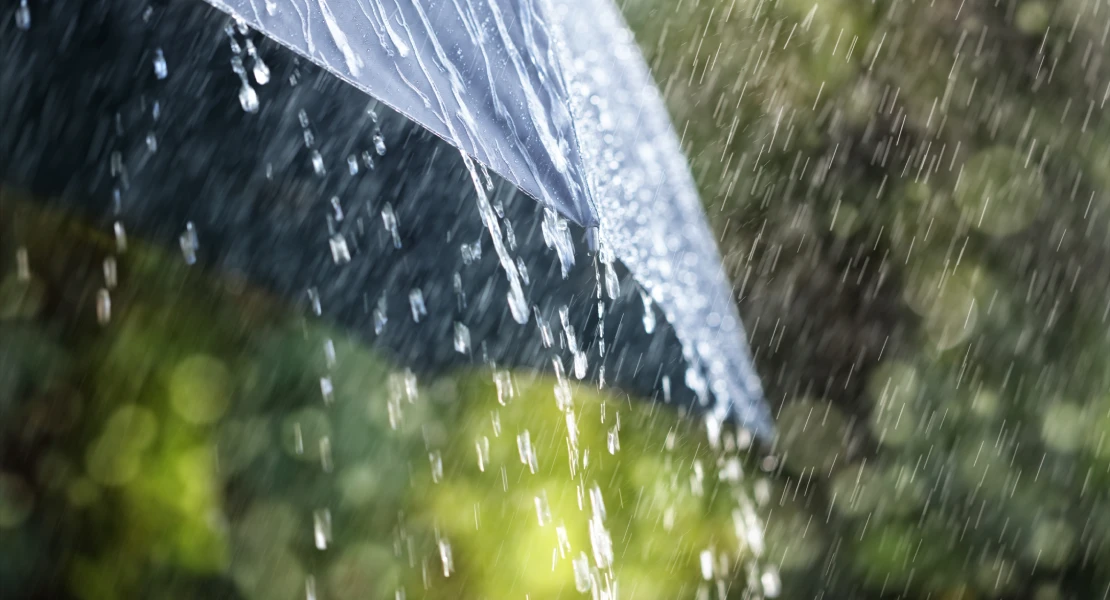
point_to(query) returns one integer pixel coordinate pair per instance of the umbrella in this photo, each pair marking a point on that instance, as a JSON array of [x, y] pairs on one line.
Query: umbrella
[[134, 116]]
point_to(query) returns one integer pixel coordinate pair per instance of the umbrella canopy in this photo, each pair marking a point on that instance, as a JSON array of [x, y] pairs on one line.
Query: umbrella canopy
[[483, 75], [320, 193]]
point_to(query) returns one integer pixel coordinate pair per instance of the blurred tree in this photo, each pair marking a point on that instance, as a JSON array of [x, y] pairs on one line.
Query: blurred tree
[[912, 198]]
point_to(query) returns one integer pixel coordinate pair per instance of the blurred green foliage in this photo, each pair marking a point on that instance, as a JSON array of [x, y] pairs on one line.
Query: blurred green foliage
[[196, 438], [912, 198]]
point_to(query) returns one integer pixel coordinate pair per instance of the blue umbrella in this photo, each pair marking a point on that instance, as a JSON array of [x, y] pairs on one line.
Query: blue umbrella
[[553, 96]]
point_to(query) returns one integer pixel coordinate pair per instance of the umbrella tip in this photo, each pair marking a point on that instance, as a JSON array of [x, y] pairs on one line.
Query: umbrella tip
[[592, 243]]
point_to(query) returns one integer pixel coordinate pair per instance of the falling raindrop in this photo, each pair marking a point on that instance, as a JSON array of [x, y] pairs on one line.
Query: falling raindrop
[[321, 528], [612, 282], [121, 237], [649, 314], [23, 16], [543, 509], [248, 98], [327, 390], [326, 464], [318, 163], [772, 584], [161, 71], [446, 557], [103, 307], [462, 338], [482, 448], [340, 252], [436, 461], [582, 581], [367, 159], [416, 303], [526, 451], [111, 277], [518, 304], [314, 299], [352, 165], [379, 143], [298, 439], [503, 382], [22, 264], [151, 142], [380, 318], [260, 71], [189, 243], [389, 219]]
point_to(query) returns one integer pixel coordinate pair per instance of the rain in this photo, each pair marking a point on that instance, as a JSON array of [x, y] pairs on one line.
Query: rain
[[708, 299]]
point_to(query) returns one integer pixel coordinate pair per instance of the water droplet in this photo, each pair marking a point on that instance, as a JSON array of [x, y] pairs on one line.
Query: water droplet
[[462, 338], [543, 509], [526, 451], [416, 303], [580, 365], [310, 588], [151, 142], [326, 463], [340, 252], [556, 235], [260, 71], [614, 440], [22, 264], [563, 540], [518, 304], [318, 163], [612, 282], [352, 165], [161, 70], [321, 528], [379, 143], [189, 243], [327, 390], [649, 313], [445, 557], [314, 299], [523, 271], [546, 336], [389, 219], [111, 278], [582, 581], [121, 237], [248, 98], [437, 466], [482, 447], [471, 252], [503, 381], [367, 160], [772, 585], [23, 16], [329, 353], [298, 439], [103, 307], [380, 318]]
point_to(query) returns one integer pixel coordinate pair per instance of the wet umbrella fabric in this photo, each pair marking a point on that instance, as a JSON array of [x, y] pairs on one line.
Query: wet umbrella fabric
[[87, 103], [483, 75]]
